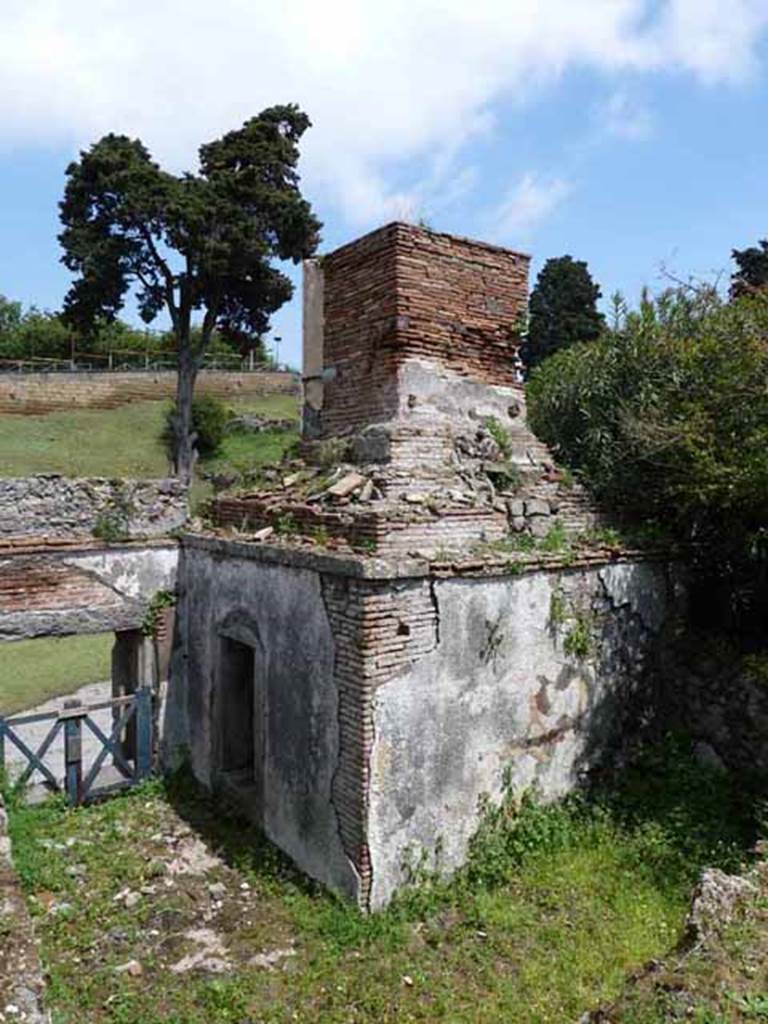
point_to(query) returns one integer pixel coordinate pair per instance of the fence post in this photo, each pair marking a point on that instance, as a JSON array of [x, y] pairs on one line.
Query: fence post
[[144, 751], [73, 754]]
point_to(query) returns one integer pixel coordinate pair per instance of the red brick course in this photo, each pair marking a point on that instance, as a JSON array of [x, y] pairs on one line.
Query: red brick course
[[404, 292]]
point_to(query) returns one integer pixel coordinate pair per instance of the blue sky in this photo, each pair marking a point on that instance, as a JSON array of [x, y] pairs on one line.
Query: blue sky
[[628, 133]]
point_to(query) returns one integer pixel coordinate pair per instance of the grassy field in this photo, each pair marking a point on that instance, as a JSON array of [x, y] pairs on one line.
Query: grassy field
[[557, 908], [117, 442], [33, 671], [111, 442]]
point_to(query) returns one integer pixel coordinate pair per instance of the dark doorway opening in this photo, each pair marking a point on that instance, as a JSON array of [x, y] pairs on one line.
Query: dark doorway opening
[[237, 746]]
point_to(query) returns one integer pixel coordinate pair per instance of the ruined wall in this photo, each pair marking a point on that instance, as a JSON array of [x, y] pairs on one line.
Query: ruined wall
[[359, 340], [394, 702], [718, 697], [503, 688], [404, 293], [50, 592], [58, 506], [279, 611], [460, 302], [36, 393]]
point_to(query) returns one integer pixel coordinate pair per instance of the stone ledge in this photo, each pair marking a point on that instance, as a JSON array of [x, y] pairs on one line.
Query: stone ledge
[[359, 566]]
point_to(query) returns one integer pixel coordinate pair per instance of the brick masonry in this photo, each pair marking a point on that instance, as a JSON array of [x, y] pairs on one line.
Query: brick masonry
[[379, 629], [39, 393], [403, 292]]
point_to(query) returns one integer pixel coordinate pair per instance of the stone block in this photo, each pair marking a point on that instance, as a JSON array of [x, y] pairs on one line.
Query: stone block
[[516, 507], [537, 507], [539, 525]]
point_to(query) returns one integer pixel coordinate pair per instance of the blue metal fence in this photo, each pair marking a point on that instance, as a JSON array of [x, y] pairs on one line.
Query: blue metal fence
[[130, 742]]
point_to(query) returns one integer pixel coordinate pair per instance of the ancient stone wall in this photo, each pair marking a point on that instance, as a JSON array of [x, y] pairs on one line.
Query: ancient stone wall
[[402, 695], [58, 506], [277, 612], [719, 698], [36, 393], [403, 293], [58, 590], [538, 676]]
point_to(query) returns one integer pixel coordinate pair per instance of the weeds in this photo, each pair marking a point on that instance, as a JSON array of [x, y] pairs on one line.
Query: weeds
[[557, 904], [499, 435]]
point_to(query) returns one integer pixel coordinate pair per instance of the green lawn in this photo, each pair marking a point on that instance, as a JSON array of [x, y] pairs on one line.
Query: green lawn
[[114, 442], [33, 671], [111, 443], [558, 908]]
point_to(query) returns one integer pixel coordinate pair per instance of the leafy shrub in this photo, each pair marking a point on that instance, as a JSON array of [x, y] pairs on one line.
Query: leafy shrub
[[209, 421], [666, 416]]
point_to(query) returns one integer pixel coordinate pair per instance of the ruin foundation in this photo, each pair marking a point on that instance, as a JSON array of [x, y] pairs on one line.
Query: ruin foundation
[[381, 631], [359, 712]]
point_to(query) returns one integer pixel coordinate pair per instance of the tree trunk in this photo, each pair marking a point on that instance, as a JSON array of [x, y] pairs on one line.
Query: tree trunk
[[184, 456]]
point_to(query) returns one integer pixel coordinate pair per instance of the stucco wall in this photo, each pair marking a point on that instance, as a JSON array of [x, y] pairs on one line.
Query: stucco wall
[[279, 611], [88, 590], [499, 691], [390, 700]]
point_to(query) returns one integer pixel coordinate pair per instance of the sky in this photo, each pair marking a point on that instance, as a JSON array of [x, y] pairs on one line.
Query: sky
[[627, 133]]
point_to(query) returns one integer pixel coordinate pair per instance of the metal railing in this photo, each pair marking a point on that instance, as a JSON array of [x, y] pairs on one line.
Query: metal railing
[[130, 742], [121, 360]]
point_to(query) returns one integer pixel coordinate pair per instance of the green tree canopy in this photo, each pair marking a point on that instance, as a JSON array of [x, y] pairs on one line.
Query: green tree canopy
[[195, 245], [562, 309], [666, 418], [752, 269]]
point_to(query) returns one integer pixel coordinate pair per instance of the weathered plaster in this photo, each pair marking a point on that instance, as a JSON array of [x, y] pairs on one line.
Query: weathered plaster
[[500, 693], [58, 593], [282, 610]]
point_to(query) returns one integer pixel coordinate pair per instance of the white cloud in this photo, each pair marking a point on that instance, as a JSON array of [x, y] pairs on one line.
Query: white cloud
[[625, 118], [393, 86], [525, 205]]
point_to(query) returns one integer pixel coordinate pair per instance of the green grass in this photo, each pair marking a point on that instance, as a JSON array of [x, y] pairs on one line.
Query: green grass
[[242, 452], [110, 442], [558, 906], [122, 442], [33, 671]]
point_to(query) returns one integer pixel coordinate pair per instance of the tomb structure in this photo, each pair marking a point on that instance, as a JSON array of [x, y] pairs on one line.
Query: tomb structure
[[413, 611]]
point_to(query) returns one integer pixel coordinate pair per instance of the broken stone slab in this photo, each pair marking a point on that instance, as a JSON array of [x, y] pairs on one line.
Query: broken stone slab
[[269, 960], [539, 526], [537, 507], [347, 485], [373, 444], [516, 508], [716, 899], [264, 533], [131, 967], [291, 479], [367, 492]]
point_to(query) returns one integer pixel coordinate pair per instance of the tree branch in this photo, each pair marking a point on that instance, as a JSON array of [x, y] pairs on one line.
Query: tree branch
[[164, 269]]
